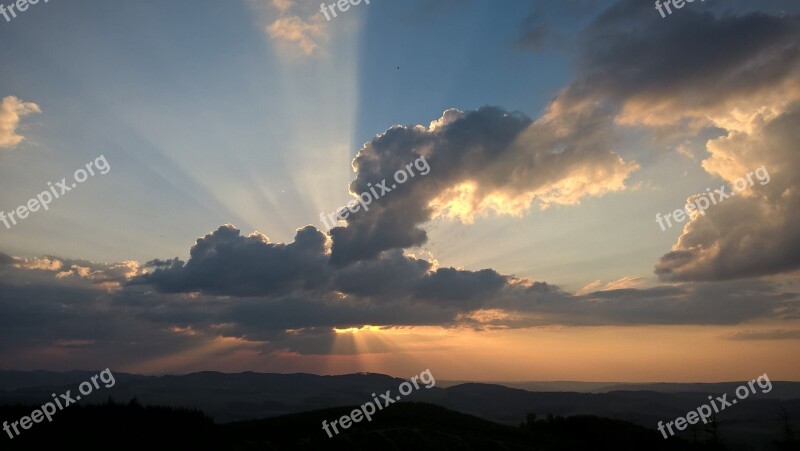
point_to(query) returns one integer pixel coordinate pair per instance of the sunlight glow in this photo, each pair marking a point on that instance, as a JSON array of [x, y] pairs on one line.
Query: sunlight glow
[[355, 330]]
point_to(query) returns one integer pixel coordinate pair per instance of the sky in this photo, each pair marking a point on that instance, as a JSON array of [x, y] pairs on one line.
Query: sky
[[165, 169]]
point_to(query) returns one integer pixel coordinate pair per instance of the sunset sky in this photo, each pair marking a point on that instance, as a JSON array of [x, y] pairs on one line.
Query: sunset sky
[[555, 131]]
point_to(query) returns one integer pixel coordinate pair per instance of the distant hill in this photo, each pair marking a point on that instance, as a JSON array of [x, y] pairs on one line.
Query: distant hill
[[783, 390], [548, 386]]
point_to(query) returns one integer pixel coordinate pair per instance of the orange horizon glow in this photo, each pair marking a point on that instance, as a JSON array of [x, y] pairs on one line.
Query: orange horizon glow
[[587, 354]]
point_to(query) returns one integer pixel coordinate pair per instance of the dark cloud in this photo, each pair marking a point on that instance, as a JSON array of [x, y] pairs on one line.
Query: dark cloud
[[166, 264], [226, 263], [675, 73], [133, 324], [72, 324], [470, 289], [629, 51], [229, 264], [713, 303], [6, 259], [392, 274], [724, 303]]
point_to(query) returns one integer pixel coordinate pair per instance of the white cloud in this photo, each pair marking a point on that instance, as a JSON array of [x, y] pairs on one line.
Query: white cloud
[[294, 27], [12, 110], [295, 31]]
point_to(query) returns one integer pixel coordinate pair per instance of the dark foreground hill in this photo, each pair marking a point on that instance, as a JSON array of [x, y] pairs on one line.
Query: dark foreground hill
[[404, 426], [752, 425]]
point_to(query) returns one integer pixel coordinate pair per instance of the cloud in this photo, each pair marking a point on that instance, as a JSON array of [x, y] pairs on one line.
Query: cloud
[[758, 232], [737, 74], [700, 64], [246, 306], [389, 275], [283, 5], [619, 284], [481, 161], [748, 87], [45, 263], [295, 30], [108, 275], [723, 303], [226, 263], [467, 288], [591, 287], [776, 334], [625, 282], [296, 27], [12, 110], [105, 275], [6, 259]]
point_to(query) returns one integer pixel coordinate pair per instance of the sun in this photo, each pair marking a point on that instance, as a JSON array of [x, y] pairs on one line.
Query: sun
[[355, 330]]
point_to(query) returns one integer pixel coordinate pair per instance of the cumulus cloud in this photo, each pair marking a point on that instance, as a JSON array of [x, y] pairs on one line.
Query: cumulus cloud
[[738, 74], [12, 110], [746, 83], [757, 233], [391, 274], [481, 161], [226, 263]]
